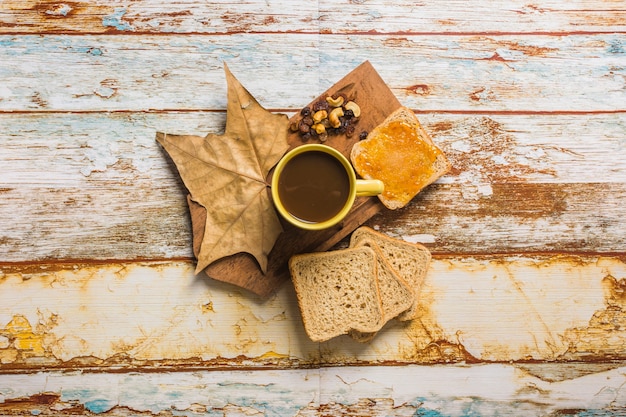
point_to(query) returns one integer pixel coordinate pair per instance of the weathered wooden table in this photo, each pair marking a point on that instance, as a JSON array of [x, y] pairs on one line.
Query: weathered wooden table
[[524, 308]]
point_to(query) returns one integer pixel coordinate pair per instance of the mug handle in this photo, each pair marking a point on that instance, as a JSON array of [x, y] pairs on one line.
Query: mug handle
[[368, 188]]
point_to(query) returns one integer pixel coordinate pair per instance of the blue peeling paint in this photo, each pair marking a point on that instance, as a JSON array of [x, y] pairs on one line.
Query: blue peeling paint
[[98, 406], [616, 47], [271, 399], [115, 20], [600, 413], [7, 42], [422, 412], [91, 398]]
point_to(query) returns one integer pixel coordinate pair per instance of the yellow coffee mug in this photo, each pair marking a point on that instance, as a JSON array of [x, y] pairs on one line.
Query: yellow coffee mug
[[314, 186]]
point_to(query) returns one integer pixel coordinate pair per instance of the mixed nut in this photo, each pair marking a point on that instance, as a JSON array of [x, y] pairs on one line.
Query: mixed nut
[[332, 115]]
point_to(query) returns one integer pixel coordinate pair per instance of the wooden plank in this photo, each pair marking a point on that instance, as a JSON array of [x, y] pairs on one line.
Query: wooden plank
[[97, 186], [211, 393], [535, 148], [153, 72], [492, 73], [330, 16], [122, 16], [467, 306], [495, 389], [140, 316], [462, 73], [512, 218], [136, 315], [383, 16]]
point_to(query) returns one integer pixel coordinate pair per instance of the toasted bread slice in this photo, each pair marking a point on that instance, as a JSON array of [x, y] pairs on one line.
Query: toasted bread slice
[[409, 260], [401, 154], [395, 293], [337, 292]]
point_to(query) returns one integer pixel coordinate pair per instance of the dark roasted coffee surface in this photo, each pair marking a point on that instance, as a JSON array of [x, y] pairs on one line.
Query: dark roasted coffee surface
[[314, 186]]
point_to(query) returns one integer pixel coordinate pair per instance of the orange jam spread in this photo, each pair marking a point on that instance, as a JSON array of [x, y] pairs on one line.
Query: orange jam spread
[[399, 158]]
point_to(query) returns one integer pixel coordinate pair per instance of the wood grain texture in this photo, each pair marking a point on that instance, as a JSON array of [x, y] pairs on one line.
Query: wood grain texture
[[461, 73], [491, 389], [329, 16], [128, 316], [122, 16], [452, 17], [97, 186]]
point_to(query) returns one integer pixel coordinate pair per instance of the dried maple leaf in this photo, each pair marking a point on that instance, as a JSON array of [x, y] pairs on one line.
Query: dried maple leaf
[[226, 174]]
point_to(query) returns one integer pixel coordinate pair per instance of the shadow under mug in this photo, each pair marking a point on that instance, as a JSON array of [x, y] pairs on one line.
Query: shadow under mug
[[314, 186]]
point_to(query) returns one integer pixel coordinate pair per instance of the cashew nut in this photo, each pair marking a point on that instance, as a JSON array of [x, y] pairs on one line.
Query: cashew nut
[[319, 128], [351, 105], [335, 102], [319, 115], [334, 116]]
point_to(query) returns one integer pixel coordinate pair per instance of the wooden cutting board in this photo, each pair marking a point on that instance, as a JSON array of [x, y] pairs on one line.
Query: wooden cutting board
[[365, 86]]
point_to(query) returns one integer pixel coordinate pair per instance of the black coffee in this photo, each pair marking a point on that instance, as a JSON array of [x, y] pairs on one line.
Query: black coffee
[[314, 186]]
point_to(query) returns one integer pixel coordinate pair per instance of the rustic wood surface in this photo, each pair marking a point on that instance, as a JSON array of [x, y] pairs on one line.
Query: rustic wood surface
[[523, 308]]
